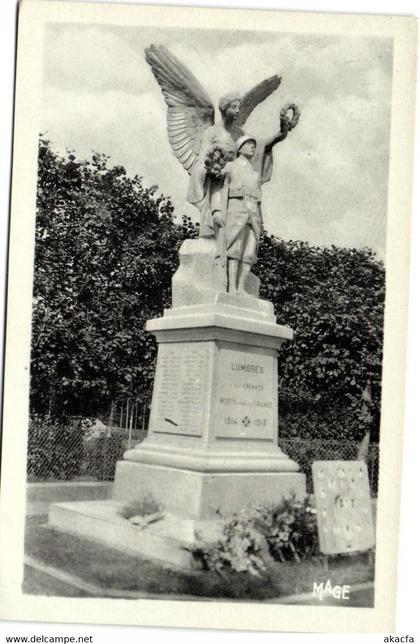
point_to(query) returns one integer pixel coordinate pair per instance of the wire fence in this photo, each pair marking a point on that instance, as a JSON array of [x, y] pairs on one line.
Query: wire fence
[[75, 451], [305, 452], [101, 453], [79, 452]]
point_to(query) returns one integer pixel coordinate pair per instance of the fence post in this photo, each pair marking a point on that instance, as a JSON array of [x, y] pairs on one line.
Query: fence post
[[126, 417], [130, 432], [107, 440]]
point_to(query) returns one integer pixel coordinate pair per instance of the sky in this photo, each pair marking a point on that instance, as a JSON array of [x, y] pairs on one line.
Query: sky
[[329, 184]]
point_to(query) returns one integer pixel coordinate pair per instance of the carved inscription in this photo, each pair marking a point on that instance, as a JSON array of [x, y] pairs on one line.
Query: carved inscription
[[180, 389], [246, 403]]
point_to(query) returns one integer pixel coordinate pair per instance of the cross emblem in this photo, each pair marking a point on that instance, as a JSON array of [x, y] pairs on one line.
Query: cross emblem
[[246, 421]]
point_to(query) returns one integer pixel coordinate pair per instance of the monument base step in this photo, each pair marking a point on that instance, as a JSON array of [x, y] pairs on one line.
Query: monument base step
[[203, 495], [165, 540]]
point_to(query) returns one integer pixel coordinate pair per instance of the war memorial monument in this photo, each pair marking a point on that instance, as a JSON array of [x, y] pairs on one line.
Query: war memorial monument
[[212, 446]]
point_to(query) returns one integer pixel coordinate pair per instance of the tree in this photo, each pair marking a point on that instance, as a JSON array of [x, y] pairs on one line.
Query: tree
[[106, 248], [333, 298]]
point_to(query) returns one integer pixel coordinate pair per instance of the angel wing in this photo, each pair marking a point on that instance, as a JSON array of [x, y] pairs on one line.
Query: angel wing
[[257, 95], [190, 109]]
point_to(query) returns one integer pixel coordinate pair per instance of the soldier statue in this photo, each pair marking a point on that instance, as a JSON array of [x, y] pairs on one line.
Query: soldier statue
[[227, 166]]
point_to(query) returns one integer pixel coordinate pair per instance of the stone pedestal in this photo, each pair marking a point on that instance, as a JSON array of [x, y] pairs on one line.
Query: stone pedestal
[[212, 440]]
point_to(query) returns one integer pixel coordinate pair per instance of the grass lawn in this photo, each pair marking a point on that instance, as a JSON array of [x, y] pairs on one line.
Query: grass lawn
[[38, 583], [108, 568]]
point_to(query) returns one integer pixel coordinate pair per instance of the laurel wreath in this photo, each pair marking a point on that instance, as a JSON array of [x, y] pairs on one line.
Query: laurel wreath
[[284, 115]]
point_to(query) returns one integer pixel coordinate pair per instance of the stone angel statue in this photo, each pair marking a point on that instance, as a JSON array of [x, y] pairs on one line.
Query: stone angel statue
[[207, 149]]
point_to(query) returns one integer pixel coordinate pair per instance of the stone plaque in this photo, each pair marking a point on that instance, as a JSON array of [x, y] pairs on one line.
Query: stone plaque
[[178, 403], [344, 512], [245, 397]]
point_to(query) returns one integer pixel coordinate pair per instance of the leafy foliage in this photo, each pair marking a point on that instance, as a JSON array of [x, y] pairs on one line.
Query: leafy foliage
[[333, 298], [239, 548], [287, 531], [106, 248], [290, 530]]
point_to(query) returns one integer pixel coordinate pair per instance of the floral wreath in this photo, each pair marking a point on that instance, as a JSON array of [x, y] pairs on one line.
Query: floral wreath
[[290, 121], [216, 159]]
